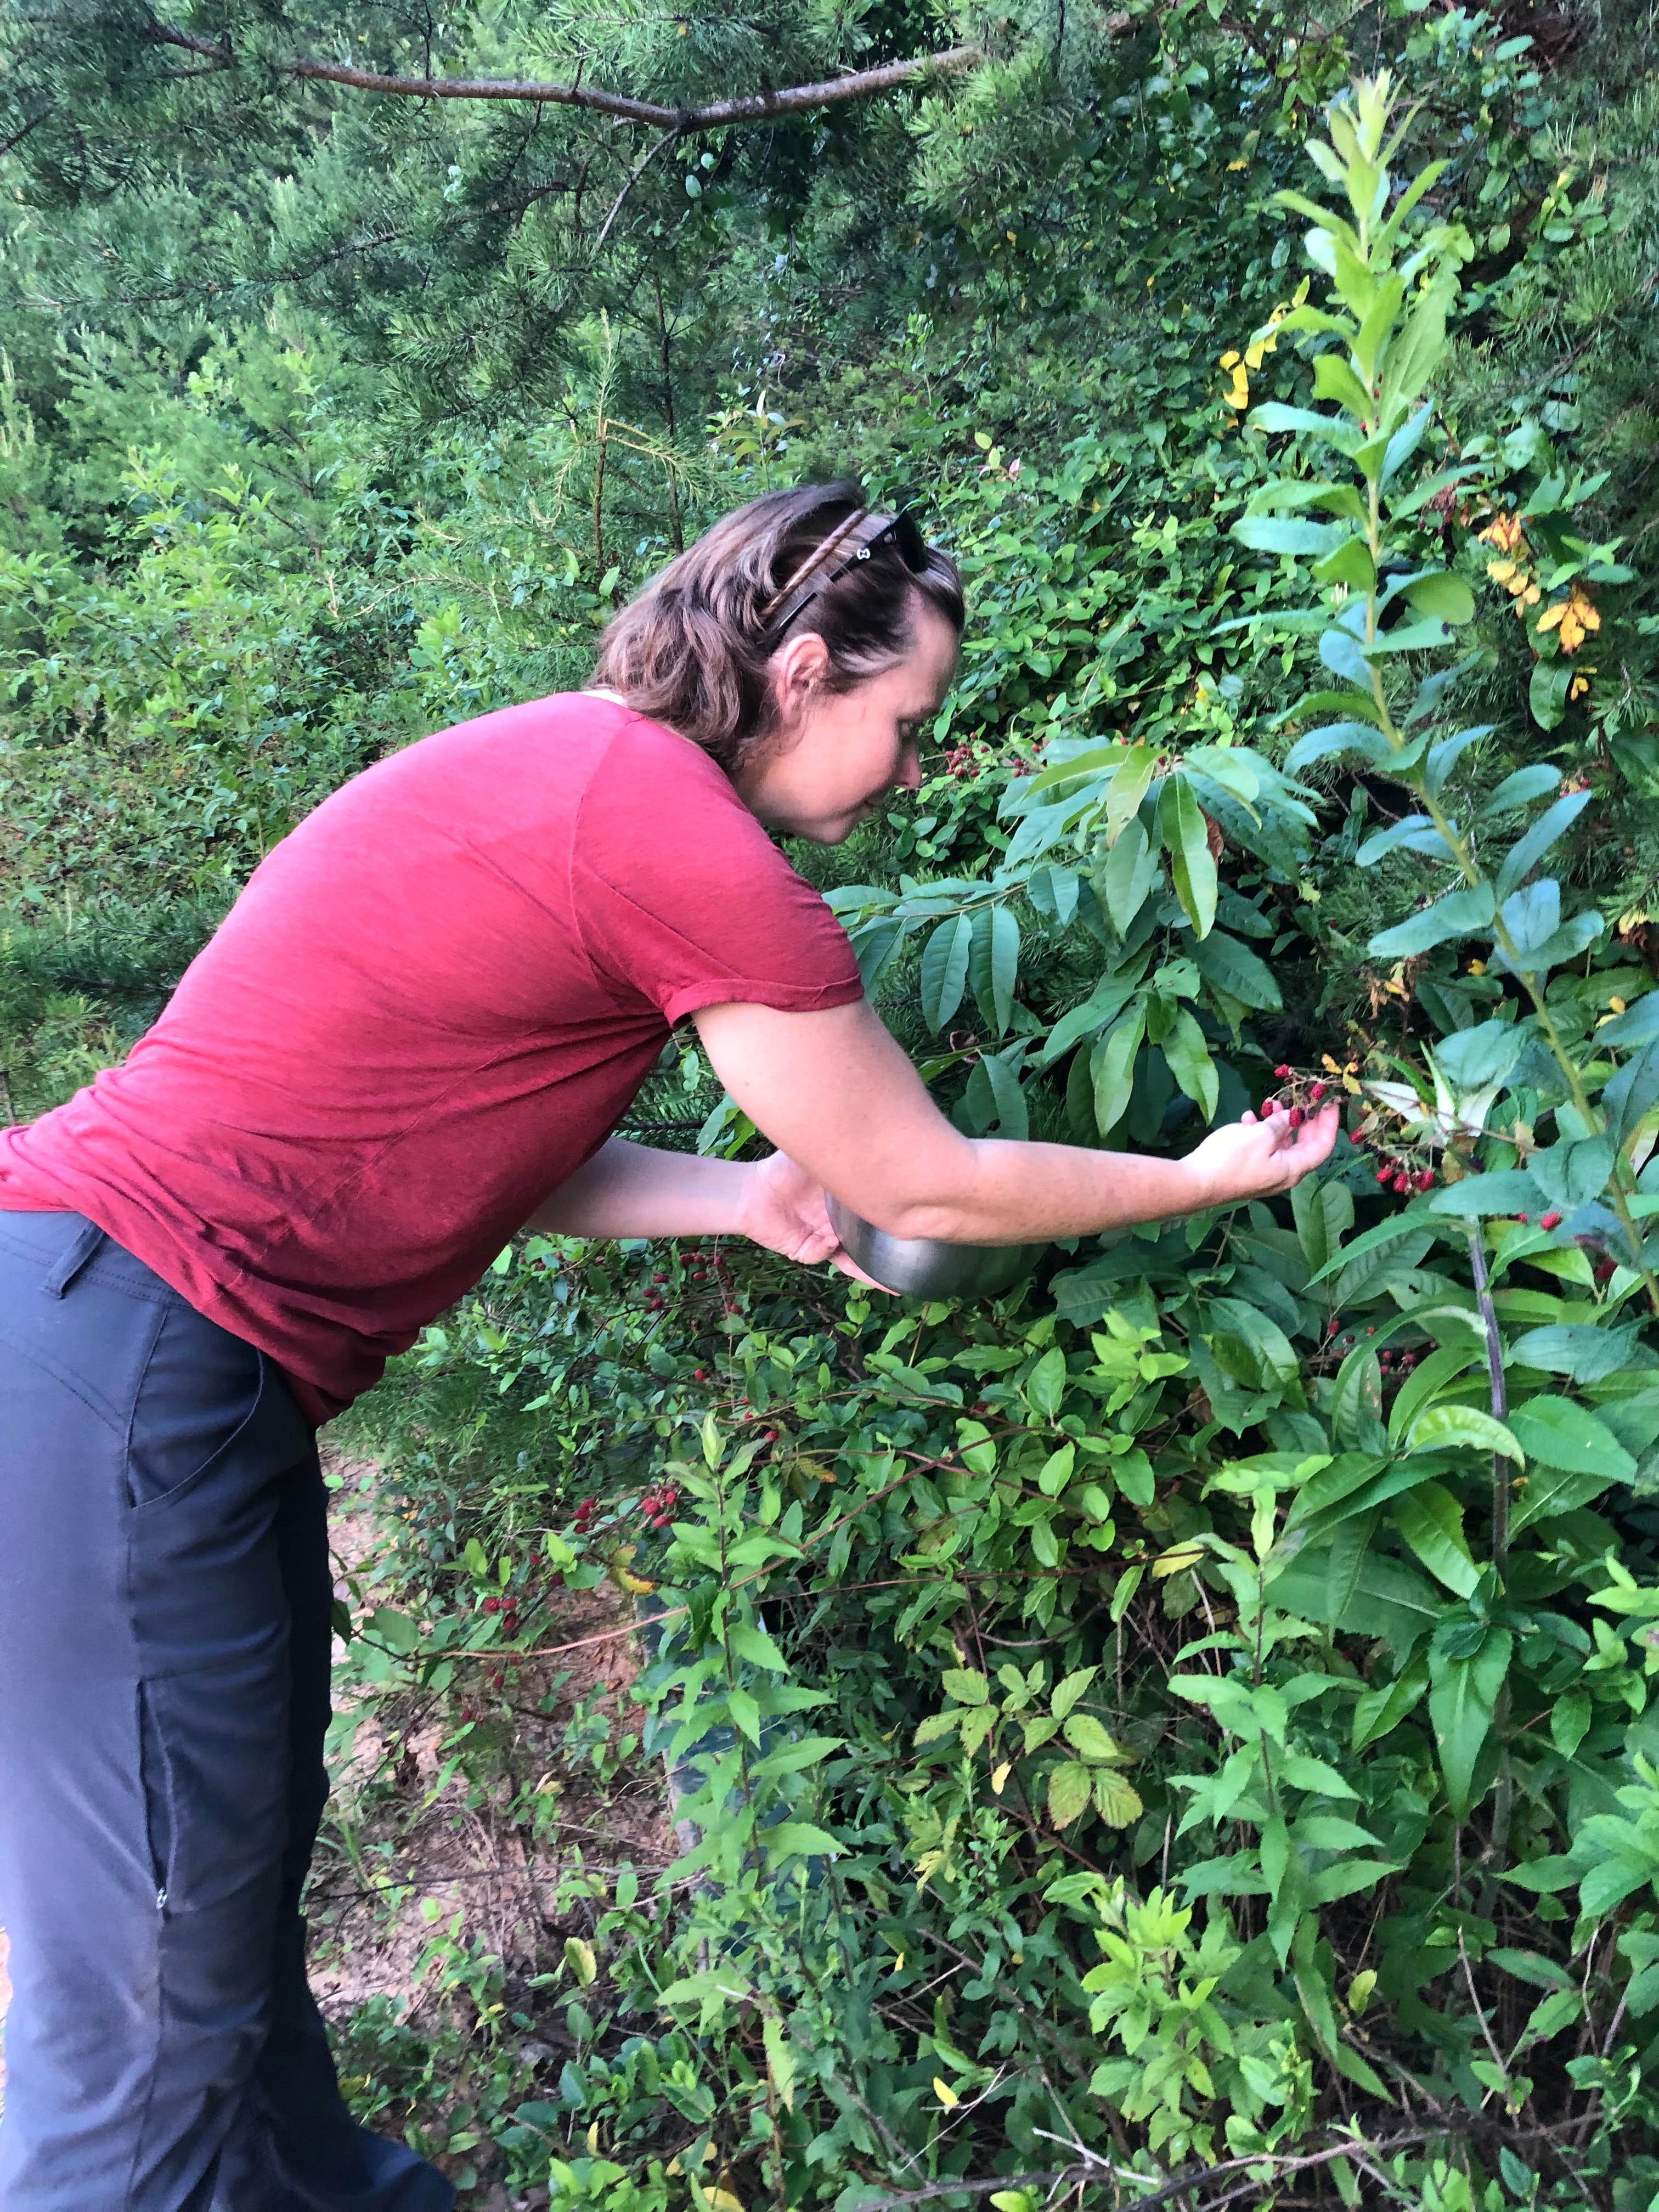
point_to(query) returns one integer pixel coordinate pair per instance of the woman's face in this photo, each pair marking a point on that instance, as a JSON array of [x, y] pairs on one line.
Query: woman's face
[[836, 755]]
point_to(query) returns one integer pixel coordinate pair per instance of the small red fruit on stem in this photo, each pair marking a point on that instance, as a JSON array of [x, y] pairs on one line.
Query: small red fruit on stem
[[1548, 1220], [1295, 1117], [1521, 1217]]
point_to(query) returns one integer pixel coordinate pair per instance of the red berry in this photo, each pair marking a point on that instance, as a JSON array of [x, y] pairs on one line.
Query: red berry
[[1520, 1217], [661, 1521], [1295, 1117], [466, 1712], [660, 1279], [1548, 1220], [1385, 1174], [1269, 1107], [492, 1605], [1426, 1179], [1317, 1093], [699, 1374], [1281, 1072], [496, 1679], [1402, 1182]]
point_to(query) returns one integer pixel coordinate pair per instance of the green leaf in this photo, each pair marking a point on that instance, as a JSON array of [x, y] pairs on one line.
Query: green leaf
[[944, 970], [1189, 1062], [749, 1641], [1323, 1213], [1056, 1470], [1070, 1788], [1112, 1067], [1227, 965], [798, 1839], [1045, 1386], [1432, 1522], [1462, 1696], [1451, 1428], [1334, 739], [1459, 914], [1559, 1433], [1127, 788], [744, 1709], [1357, 1401], [1569, 1720], [1129, 873], [1089, 1739], [1551, 825], [1186, 839], [1376, 1712], [1446, 599], [393, 1629], [993, 964], [1068, 1693], [966, 1685], [1287, 535], [780, 2059]]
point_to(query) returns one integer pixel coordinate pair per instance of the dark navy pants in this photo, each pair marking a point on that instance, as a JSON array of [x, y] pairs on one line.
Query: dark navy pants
[[165, 1602]]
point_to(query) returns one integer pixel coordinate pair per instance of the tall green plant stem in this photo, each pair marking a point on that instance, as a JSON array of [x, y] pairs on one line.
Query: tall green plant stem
[[1473, 875]]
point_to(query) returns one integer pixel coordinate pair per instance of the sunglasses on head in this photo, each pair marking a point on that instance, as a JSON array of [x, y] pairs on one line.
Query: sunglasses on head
[[853, 540]]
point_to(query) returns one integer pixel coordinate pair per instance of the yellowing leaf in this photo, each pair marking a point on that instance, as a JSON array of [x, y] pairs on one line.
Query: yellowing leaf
[[999, 1775], [1177, 1560], [946, 2095], [578, 1957], [1117, 1801]]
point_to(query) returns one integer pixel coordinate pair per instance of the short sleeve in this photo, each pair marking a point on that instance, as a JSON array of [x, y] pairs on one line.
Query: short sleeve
[[682, 899]]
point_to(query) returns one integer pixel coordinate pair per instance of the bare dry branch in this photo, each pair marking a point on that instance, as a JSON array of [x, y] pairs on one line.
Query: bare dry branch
[[715, 115]]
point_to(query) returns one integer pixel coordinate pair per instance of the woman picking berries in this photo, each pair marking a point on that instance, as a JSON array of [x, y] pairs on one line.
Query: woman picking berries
[[412, 1037]]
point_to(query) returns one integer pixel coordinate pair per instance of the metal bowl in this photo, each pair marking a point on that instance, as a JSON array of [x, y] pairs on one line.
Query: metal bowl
[[928, 1267]]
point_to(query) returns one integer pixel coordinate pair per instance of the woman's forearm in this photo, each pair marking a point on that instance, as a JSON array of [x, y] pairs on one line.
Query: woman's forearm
[[631, 1190], [1010, 1193]]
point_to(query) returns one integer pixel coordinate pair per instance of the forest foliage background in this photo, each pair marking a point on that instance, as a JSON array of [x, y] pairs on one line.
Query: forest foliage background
[[1183, 1734]]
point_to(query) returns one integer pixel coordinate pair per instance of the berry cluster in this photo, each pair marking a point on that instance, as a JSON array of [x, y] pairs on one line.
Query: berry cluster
[[657, 1506], [587, 1513], [1297, 1098], [507, 1606], [1395, 1173], [1550, 1220], [1395, 1365]]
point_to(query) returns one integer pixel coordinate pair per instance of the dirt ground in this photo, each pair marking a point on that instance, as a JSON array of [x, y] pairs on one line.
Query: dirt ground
[[433, 1846]]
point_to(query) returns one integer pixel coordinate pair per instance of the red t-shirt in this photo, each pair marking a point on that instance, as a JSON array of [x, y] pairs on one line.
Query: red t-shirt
[[432, 1002]]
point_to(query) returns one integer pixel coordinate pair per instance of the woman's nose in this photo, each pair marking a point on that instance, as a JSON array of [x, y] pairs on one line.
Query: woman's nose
[[910, 770]]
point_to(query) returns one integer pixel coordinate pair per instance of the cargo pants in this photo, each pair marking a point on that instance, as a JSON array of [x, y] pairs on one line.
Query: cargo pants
[[165, 1610]]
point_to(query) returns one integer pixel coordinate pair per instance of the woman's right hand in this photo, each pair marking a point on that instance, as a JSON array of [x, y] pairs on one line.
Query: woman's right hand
[[1258, 1158]]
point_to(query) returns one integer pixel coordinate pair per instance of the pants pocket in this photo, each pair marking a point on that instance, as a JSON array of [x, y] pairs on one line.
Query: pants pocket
[[216, 1769]]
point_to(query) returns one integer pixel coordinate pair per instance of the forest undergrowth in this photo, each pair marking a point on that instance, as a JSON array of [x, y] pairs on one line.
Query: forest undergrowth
[[1181, 1733]]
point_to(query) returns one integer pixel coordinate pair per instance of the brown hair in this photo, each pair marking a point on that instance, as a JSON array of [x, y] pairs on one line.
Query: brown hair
[[692, 649]]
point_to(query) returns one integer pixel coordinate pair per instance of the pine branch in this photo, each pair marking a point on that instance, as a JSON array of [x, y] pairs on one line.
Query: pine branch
[[715, 115]]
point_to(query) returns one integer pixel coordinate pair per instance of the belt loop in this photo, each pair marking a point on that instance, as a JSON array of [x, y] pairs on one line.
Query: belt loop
[[65, 1270]]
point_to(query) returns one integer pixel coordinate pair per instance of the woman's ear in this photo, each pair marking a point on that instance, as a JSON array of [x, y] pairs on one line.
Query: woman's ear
[[798, 672]]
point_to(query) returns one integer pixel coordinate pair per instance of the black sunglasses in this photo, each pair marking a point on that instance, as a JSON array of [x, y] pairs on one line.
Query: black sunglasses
[[858, 538]]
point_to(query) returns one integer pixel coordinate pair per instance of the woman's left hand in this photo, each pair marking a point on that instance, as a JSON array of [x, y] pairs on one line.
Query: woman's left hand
[[787, 1211]]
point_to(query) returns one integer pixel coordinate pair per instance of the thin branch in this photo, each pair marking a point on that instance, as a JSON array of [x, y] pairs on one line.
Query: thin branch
[[715, 115], [634, 176]]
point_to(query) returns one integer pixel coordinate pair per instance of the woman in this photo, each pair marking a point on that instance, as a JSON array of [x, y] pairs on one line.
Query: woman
[[412, 1037]]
